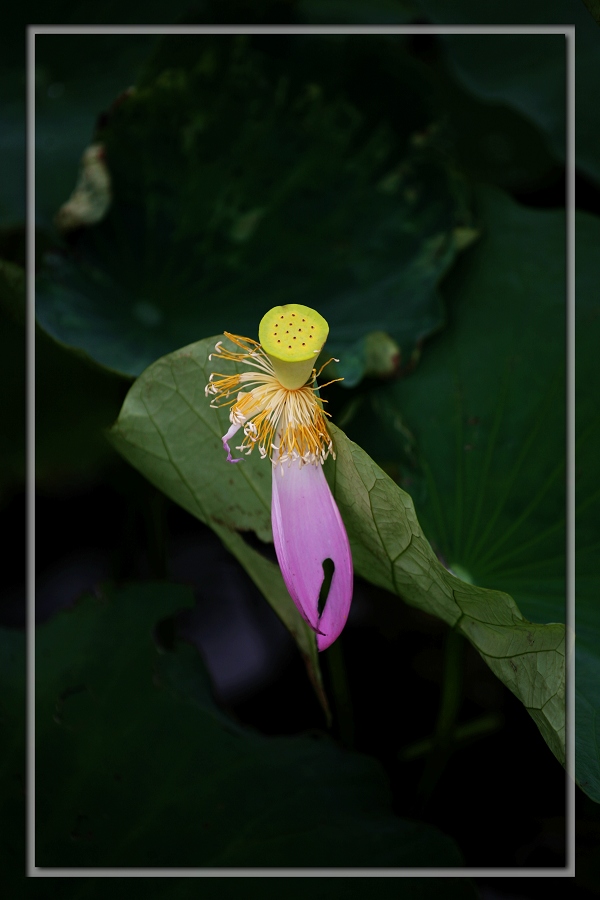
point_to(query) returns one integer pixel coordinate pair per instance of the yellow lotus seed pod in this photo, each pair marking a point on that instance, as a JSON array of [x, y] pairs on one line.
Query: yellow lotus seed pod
[[292, 336]]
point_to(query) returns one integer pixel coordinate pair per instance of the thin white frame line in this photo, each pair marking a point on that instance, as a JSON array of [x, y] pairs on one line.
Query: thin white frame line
[[300, 29], [569, 32], [257, 872]]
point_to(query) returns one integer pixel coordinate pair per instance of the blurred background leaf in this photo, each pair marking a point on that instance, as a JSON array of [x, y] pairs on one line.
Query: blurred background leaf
[[245, 173], [526, 72], [12, 375], [12, 760], [73, 87], [350, 12], [210, 792], [594, 8]]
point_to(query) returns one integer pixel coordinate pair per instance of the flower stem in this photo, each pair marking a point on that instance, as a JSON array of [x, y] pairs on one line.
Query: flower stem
[[342, 702], [446, 721], [462, 735]]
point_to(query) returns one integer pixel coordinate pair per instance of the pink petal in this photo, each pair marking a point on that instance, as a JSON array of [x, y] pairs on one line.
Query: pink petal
[[308, 529]]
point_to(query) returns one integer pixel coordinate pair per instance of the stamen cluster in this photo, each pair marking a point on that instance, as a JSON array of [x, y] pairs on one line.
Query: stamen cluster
[[286, 424]]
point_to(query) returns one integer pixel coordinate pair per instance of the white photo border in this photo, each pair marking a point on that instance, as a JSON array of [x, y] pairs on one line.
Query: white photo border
[[569, 33]]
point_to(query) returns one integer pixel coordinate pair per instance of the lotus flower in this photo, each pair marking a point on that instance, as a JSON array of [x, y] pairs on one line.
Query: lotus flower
[[279, 408]]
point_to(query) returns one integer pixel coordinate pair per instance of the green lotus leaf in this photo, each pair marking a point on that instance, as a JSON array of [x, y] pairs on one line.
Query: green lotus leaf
[[168, 431], [478, 433]]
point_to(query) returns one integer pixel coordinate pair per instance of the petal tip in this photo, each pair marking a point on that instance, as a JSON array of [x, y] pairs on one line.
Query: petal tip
[[229, 456]]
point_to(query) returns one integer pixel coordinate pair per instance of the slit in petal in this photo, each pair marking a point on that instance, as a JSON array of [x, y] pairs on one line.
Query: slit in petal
[[328, 570]]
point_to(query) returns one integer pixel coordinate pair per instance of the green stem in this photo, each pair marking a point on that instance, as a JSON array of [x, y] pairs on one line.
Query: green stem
[[342, 702], [446, 721], [462, 734]]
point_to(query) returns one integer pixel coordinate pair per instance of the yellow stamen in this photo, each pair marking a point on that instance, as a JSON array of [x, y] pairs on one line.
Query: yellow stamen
[[285, 423]]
